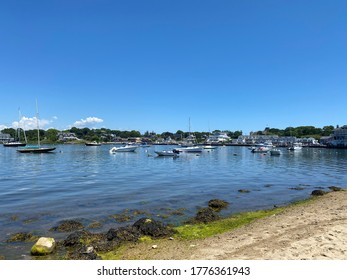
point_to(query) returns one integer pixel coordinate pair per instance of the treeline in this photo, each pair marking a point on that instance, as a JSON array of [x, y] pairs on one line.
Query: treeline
[[109, 135], [299, 132]]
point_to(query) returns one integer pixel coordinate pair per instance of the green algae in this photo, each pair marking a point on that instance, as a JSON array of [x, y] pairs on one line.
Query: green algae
[[198, 231]]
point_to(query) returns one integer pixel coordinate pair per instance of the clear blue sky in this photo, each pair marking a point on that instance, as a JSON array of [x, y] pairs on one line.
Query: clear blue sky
[[152, 65]]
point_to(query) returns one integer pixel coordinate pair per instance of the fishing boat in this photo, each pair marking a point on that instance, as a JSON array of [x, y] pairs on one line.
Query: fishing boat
[[37, 149], [126, 148]]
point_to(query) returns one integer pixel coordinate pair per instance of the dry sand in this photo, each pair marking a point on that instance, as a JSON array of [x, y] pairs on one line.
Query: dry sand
[[317, 230]]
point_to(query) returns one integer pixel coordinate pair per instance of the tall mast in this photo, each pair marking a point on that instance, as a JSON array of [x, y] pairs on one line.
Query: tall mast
[[37, 123], [20, 117]]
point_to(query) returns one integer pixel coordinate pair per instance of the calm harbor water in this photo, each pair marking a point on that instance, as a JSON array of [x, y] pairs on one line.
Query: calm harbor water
[[89, 184]]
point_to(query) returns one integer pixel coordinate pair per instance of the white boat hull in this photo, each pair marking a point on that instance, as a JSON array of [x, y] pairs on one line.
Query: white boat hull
[[166, 153], [123, 149], [275, 152], [191, 150]]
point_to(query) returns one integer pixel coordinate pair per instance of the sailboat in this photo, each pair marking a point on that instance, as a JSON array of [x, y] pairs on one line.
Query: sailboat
[[190, 145], [17, 142], [36, 149]]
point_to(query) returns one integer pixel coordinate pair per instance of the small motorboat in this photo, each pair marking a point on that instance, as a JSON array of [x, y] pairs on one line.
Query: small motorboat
[[169, 153], [261, 149], [209, 147], [126, 148], [94, 143], [275, 152], [14, 144], [295, 147], [191, 149]]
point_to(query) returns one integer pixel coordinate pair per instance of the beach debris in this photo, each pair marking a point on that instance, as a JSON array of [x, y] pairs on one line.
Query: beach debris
[[217, 204], [155, 247], [67, 226], [44, 246], [318, 192]]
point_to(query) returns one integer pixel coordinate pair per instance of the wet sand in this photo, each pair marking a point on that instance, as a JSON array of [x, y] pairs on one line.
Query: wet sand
[[316, 230]]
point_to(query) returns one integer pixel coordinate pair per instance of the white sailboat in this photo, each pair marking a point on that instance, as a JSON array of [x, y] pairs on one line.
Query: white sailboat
[[190, 146], [17, 142]]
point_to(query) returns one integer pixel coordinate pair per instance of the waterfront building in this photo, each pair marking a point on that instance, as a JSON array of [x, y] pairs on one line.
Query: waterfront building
[[218, 137], [339, 138], [67, 136], [4, 137]]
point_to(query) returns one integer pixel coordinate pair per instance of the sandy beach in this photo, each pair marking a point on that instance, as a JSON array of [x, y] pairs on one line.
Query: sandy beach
[[312, 231]]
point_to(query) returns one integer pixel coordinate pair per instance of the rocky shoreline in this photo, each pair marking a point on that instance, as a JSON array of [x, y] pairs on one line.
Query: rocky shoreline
[[81, 244]]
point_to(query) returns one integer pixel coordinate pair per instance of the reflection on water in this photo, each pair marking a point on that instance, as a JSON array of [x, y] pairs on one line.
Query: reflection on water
[[90, 184]]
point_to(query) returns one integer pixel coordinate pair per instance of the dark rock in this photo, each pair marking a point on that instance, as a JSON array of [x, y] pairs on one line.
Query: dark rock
[[335, 189], [217, 204], [67, 226], [152, 228], [83, 253], [95, 225], [20, 237], [75, 238], [297, 188], [205, 215], [121, 218], [318, 192], [244, 191], [123, 234]]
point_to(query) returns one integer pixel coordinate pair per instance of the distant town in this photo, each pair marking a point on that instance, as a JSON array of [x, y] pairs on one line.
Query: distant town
[[328, 136]]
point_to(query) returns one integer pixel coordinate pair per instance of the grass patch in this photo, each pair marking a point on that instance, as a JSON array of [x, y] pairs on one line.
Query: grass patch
[[114, 255], [198, 231]]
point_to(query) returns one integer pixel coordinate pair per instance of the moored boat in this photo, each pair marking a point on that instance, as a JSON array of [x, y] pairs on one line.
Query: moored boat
[[14, 144], [295, 146], [275, 152], [191, 149], [36, 149], [126, 148], [168, 153], [94, 143], [260, 148]]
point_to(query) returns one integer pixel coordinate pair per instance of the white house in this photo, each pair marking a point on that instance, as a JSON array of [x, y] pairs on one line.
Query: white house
[[218, 137]]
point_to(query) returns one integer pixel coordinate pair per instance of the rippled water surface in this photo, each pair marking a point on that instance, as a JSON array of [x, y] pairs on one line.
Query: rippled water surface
[[89, 184]]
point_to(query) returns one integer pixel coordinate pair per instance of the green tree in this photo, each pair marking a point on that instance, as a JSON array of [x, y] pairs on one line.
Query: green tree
[[52, 135]]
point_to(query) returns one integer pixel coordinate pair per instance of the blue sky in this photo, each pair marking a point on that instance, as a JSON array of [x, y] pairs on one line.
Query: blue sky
[[152, 65]]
